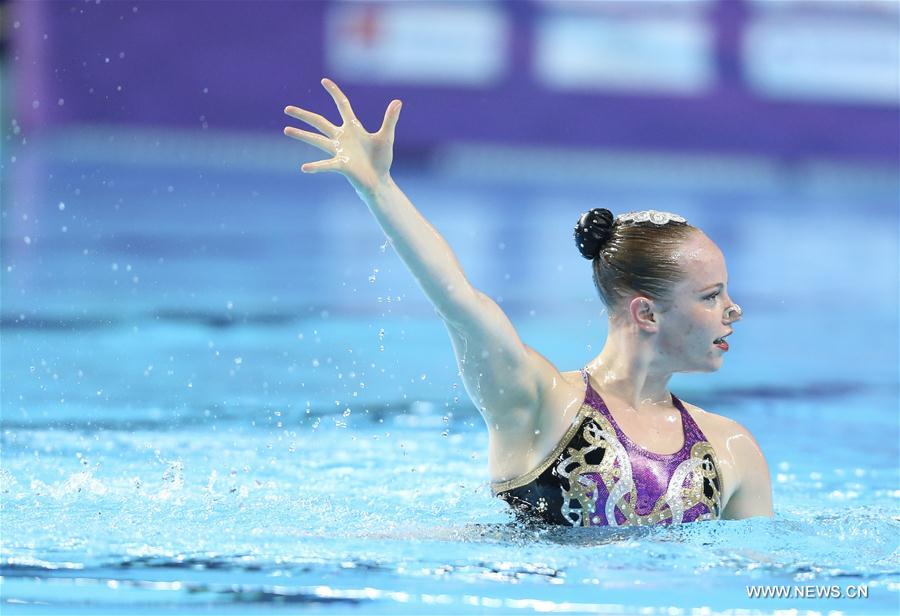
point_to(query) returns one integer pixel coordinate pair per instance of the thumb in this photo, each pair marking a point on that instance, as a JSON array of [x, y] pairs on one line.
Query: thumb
[[391, 115]]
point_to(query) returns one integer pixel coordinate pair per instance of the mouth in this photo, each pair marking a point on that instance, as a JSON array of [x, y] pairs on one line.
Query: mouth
[[721, 343]]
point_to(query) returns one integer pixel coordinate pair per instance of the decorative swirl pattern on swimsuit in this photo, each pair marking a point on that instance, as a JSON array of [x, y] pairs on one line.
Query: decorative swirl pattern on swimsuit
[[592, 478]]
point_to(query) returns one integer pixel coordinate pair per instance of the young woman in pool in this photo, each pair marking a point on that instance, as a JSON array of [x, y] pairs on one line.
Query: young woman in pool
[[609, 444]]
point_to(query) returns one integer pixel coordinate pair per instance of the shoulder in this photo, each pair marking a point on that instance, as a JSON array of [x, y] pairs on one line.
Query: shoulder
[[734, 437], [720, 424], [713, 425]]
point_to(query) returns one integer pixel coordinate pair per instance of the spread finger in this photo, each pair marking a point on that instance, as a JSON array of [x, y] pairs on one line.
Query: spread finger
[[331, 164], [313, 139], [313, 119], [341, 100]]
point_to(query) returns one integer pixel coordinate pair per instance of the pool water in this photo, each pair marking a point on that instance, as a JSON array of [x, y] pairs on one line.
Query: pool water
[[222, 391]]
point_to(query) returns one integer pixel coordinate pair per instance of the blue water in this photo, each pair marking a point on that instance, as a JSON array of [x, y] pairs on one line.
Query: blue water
[[222, 391]]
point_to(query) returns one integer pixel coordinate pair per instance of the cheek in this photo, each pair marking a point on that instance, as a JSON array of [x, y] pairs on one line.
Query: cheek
[[674, 340], [686, 333]]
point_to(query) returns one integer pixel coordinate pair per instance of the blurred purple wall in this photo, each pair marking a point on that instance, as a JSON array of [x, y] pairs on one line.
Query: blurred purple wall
[[236, 64]]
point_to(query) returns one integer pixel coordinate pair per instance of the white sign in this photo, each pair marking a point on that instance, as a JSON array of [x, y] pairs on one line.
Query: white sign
[[831, 57], [599, 52], [459, 44]]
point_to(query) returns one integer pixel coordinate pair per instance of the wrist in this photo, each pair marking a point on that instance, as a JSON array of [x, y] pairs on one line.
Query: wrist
[[372, 188]]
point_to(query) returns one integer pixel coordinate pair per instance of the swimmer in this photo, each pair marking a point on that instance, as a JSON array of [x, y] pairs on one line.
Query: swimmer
[[606, 445]]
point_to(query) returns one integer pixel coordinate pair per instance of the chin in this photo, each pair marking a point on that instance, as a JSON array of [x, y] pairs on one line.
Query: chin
[[698, 363], [709, 367]]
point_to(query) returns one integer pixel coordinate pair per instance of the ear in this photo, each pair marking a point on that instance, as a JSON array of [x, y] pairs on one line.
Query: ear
[[642, 310]]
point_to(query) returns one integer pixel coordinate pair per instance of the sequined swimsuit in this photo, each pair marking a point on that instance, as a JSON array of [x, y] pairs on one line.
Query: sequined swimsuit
[[597, 476]]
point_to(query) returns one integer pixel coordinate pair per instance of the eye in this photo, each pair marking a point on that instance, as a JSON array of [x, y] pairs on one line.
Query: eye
[[713, 296]]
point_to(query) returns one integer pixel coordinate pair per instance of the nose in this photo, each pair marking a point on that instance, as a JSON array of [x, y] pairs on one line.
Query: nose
[[732, 313]]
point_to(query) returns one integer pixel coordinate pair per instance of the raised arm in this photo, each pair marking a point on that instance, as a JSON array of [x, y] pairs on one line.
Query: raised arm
[[502, 376], [365, 159]]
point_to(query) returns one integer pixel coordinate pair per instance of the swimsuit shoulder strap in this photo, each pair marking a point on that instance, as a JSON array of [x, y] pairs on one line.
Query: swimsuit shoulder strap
[[689, 426], [593, 398], [590, 394]]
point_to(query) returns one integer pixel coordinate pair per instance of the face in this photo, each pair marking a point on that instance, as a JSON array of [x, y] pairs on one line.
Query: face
[[696, 317]]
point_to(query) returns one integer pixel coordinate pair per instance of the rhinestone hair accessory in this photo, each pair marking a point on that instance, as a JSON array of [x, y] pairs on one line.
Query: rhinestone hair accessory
[[735, 309], [654, 216]]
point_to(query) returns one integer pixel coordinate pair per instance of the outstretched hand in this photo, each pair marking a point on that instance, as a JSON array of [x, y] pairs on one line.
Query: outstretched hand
[[362, 157]]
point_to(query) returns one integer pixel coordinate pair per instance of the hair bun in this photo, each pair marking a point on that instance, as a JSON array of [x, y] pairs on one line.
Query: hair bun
[[593, 231]]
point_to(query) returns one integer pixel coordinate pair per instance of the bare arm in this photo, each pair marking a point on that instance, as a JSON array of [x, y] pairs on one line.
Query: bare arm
[[502, 376], [753, 496]]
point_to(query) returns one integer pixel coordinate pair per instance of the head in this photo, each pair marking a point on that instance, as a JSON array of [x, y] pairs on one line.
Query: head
[[663, 280]]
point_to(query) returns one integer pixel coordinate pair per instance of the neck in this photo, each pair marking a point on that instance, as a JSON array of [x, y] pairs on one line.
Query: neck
[[624, 369]]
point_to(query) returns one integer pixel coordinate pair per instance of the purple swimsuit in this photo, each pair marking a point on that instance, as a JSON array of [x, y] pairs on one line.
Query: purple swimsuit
[[597, 476]]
